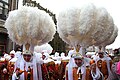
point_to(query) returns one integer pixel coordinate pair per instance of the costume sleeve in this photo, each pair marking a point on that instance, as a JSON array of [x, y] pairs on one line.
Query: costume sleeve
[[39, 71], [14, 77]]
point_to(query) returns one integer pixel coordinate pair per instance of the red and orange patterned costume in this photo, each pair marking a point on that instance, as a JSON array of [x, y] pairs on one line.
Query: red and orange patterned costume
[[50, 71], [3, 66], [77, 76]]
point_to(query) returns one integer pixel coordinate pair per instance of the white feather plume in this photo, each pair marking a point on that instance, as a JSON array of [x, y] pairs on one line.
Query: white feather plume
[[47, 47], [104, 26], [112, 37], [85, 26], [30, 25]]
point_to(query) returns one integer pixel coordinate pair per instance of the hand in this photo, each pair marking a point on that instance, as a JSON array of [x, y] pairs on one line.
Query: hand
[[19, 72]]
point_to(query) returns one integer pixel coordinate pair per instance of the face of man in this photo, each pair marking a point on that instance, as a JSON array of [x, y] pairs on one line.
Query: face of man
[[101, 55], [12, 55], [78, 61], [27, 57], [43, 57]]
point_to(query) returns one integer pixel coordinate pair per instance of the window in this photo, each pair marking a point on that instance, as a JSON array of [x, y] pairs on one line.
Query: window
[[5, 1], [3, 9]]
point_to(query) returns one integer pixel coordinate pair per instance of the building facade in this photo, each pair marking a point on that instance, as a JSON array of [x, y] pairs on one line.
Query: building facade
[[5, 6]]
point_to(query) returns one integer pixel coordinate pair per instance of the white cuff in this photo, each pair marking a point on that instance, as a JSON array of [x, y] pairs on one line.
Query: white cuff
[[15, 76]]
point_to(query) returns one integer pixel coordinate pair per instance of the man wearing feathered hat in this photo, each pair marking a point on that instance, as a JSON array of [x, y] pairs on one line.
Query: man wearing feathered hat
[[79, 69], [26, 67]]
